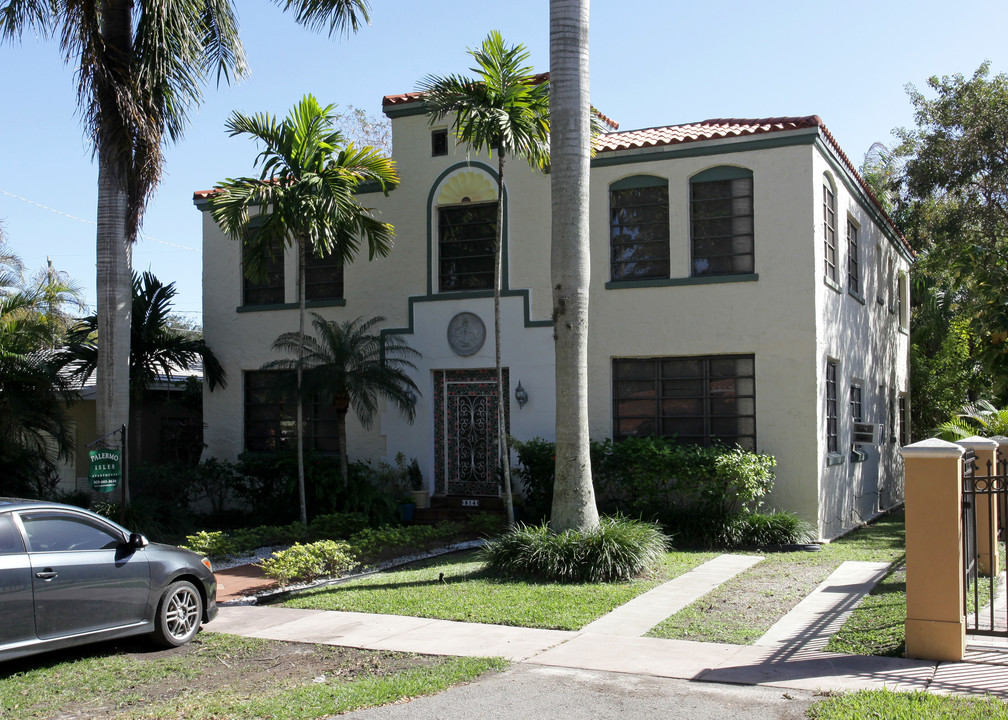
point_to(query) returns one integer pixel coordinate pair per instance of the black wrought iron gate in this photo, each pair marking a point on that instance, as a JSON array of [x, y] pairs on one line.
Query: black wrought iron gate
[[984, 508]]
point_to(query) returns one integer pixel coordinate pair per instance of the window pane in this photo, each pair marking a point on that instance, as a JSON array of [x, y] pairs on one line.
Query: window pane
[[60, 533], [721, 233], [466, 236], [10, 538], [639, 233]]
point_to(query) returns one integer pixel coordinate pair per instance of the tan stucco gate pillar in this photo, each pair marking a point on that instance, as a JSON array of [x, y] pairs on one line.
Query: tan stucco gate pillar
[[988, 561], [935, 624]]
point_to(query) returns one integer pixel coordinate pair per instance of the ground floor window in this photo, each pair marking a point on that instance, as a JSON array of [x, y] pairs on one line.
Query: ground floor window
[[832, 431], [271, 415], [694, 399]]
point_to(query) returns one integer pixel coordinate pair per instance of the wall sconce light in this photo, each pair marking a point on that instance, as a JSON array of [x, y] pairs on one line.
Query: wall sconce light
[[521, 395], [411, 398]]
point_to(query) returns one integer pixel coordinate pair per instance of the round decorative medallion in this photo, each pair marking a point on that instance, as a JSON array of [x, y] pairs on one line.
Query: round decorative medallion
[[466, 334]]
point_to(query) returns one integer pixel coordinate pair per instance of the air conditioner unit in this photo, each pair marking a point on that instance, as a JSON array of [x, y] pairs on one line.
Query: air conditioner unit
[[867, 433]]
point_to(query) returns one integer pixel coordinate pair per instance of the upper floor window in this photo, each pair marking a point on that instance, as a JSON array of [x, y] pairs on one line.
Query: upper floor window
[[829, 229], [466, 236], [639, 228], [323, 277], [903, 301], [853, 259], [890, 280], [721, 221], [439, 142], [268, 288], [694, 399]]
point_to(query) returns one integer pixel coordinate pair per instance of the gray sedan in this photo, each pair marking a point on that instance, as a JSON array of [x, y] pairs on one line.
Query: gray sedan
[[69, 576]]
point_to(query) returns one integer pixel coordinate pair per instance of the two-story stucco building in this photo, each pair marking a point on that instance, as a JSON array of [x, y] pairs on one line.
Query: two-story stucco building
[[744, 286]]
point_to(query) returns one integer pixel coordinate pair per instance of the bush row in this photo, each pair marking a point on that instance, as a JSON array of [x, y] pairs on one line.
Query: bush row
[[700, 495]]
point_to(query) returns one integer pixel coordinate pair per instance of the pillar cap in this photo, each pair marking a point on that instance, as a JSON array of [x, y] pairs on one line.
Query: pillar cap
[[932, 448], [976, 442]]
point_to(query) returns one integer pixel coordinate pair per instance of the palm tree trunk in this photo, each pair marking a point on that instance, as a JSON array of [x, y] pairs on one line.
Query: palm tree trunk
[[573, 493], [342, 440], [114, 279], [300, 378], [502, 439]]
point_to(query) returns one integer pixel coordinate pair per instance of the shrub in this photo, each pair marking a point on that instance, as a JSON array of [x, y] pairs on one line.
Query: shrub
[[759, 529], [337, 525], [304, 563], [370, 543], [619, 549], [214, 544]]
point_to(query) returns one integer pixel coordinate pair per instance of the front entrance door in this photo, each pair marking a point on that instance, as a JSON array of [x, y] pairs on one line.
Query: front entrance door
[[465, 418]]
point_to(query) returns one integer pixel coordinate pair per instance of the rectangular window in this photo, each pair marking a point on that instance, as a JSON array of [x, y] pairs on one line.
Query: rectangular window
[[904, 427], [323, 277], [903, 302], [890, 280], [721, 214], [829, 231], [466, 235], [694, 399], [639, 232], [268, 289], [439, 142], [892, 419], [271, 415], [853, 268], [832, 433]]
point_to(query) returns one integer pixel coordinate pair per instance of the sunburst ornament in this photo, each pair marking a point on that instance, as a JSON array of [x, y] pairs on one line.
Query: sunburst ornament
[[466, 187]]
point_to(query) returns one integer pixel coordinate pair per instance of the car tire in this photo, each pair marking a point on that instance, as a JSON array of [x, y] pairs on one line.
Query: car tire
[[179, 614]]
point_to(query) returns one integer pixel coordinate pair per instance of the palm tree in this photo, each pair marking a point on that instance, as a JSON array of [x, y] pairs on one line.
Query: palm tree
[[573, 494], [304, 196], [347, 364], [505, 108], [141, 66], [34, 394], [157, 350]]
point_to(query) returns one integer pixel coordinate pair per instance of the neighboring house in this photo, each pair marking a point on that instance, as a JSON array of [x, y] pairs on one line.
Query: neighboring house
[[744, 286], [171, 427]]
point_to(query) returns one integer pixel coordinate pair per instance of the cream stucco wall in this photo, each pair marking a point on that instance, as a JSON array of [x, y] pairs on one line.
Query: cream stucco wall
[[785, 315]]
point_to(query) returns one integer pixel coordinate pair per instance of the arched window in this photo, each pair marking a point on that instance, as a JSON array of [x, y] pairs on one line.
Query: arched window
[[639, 228], [466, 230], [721, 221]]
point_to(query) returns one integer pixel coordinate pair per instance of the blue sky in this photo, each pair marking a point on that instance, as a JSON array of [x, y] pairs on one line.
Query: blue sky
[[653, 62]]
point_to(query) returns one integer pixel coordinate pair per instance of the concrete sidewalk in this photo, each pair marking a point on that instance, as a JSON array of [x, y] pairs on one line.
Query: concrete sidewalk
[[788, 656]]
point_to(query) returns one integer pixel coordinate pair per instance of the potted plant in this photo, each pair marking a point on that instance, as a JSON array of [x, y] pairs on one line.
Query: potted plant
[[420, 495]]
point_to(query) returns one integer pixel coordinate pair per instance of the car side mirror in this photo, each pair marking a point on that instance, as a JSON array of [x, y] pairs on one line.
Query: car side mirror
[[137, 541]]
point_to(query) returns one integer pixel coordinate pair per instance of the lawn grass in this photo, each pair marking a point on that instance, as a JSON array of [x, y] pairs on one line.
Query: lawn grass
[[907, 706], [470, 594], [221, 677], [741, 610]]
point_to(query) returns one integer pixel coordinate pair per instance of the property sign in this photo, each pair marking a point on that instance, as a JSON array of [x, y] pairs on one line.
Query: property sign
[[106, 469]]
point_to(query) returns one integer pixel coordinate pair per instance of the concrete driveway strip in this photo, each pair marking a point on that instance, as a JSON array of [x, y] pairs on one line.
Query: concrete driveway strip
[[548, 693], [812, 622], [639, 615]]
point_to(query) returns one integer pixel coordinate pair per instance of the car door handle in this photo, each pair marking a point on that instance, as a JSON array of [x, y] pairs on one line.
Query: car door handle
[[46, 574]]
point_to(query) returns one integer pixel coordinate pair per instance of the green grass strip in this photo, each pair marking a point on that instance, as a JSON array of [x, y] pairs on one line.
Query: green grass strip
[[470, 594], [907, 706], [741, 610], [307, 701]]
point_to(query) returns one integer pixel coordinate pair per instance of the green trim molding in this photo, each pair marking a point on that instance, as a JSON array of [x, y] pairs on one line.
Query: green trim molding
[[672, 282], [309, 304]]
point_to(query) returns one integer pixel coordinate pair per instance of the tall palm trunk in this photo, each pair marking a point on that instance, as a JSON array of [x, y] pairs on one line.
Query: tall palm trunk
[[114, 239], [573, 493], [502, 439], [300, 378]]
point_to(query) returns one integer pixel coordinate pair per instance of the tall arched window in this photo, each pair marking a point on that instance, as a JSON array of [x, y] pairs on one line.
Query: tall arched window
[[721, 221], [639, 228], [466, 230]]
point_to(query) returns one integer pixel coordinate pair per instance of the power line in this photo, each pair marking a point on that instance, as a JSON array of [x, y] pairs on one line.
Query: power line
[[92, 222]]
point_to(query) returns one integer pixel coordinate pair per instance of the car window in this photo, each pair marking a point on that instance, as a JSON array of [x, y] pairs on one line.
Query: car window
[[57, 533], [10, 538]]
